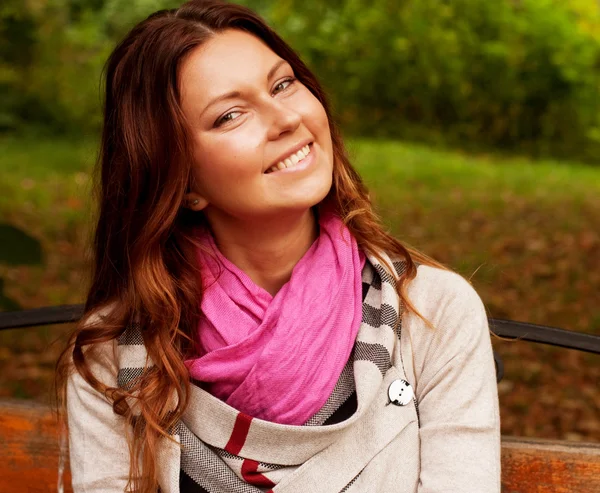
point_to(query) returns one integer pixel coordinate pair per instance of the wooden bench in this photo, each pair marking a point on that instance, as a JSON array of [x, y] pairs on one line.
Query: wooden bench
[[30, 438]]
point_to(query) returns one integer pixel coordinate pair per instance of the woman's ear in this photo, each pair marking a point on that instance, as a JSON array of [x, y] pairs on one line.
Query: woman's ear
[[194, 201]]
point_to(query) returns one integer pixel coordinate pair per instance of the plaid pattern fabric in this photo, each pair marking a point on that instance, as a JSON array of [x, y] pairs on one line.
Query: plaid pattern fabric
[[209, 469]]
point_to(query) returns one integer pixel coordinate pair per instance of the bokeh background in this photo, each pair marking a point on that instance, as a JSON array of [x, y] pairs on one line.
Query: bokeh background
[[475, 123]]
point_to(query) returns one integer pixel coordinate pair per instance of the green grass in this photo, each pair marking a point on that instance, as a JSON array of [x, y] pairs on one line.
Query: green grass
[[45, 185], [42, 159], [388, 165], [378, 161]]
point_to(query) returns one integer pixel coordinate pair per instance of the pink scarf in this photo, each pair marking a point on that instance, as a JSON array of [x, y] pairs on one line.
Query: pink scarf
[[278, 358]]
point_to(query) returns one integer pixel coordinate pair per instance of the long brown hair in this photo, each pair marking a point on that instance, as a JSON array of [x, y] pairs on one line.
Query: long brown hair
[[143, 250]]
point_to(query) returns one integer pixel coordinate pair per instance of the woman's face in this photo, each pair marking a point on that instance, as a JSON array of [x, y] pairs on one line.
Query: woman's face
[[252, 124]]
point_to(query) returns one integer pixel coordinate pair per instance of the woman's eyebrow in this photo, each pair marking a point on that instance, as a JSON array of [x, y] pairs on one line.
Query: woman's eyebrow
[[237, 94], [274, 68]]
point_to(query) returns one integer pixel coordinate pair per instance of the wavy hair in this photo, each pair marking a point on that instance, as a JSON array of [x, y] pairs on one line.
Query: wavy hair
[[143, 264]]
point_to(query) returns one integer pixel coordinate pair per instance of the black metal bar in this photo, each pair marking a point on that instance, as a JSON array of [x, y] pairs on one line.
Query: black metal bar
[[41, 316], [546, 335], [499, 364], [503, 328]]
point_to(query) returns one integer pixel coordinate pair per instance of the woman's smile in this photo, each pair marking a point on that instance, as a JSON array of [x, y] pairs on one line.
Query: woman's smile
[[296, 161]]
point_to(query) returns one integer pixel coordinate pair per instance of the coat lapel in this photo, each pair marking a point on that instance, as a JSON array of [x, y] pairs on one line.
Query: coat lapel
[[336, 467]]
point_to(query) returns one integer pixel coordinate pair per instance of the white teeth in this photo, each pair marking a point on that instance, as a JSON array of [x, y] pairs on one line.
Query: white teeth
[[292, 160]]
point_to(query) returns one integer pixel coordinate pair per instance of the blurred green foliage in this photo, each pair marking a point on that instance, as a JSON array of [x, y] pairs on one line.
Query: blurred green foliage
[[508, 73], [515, 74], [51, 57]]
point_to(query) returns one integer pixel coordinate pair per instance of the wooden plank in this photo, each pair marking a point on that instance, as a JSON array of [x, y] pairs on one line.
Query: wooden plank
[[29, 440], [544, 466]]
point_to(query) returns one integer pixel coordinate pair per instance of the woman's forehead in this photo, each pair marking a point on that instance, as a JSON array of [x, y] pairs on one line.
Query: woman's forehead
[[229, 61]]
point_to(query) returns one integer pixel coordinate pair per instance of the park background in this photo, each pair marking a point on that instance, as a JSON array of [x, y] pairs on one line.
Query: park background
[[476, 125]]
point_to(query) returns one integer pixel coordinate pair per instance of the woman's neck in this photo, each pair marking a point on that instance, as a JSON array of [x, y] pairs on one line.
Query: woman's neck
[[268, 250]]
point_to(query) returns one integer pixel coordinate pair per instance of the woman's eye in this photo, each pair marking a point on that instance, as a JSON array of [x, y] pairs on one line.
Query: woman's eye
[[284, 84], [281, 86], [227, 117]]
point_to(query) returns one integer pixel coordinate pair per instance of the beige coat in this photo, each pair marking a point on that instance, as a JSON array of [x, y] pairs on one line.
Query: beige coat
[[453, 445]]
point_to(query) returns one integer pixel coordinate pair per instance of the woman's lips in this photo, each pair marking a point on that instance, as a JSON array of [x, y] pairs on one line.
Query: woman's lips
[[299, 166]]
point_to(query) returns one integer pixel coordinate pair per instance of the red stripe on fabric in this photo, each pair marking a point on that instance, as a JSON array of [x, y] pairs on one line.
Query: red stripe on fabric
[[239, 434], [251, 476]]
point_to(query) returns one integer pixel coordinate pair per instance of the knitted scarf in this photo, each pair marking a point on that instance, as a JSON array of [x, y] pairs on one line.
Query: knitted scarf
[[279, 357], [227, 451]]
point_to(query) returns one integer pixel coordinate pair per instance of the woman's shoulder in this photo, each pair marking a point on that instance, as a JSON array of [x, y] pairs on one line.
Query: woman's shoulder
[[433, 286], [454, 314], [101, 357]]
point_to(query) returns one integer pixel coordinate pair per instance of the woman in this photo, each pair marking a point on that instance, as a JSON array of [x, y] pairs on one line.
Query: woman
[[250, 325]]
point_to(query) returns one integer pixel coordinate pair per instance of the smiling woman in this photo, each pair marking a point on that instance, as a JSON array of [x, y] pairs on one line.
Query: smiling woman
[[250, 325], [262, 148]]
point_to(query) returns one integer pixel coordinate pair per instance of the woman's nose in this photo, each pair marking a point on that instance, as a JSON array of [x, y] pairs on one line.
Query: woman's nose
[[282, 119]]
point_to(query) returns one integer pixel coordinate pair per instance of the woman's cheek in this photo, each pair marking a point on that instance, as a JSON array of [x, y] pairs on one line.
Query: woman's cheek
[[318, 118]]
